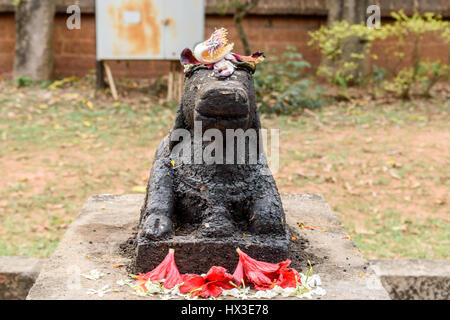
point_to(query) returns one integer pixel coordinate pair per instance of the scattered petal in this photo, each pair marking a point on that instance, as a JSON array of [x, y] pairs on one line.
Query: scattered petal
[[94, 275]]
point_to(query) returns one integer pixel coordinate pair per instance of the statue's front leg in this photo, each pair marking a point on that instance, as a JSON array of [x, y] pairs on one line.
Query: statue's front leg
[[156, 220], [267, 215]]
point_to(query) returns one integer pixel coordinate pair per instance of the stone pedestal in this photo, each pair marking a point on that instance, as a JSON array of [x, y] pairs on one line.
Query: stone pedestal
[[94, 241], [198, 255], [17, 276]]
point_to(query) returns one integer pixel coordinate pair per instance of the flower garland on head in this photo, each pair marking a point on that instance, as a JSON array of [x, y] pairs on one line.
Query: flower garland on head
[[215, 53]]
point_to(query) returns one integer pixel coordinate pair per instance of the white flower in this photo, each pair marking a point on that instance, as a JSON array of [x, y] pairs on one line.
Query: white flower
[[152, 287], [94, 275], [319, 291], [302, 278], [140, 292], [120, 282], [314, 280], [288, 292], [237, 293], [176, 290], [266, 294], [231, 292], [306, 295], [100, 292]]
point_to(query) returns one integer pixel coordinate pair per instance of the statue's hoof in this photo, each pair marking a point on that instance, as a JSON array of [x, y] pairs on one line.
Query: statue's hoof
[[217, 226], [262, 225], [156, 227]]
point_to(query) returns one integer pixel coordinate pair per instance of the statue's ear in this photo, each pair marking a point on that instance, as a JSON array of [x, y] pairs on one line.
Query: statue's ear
[[180, 123]]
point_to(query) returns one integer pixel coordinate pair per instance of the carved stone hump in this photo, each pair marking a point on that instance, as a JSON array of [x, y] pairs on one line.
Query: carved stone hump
[[198, 202]]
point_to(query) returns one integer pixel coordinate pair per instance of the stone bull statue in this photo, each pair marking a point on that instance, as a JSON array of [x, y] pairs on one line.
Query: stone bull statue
[[215, 200], [189, 201]]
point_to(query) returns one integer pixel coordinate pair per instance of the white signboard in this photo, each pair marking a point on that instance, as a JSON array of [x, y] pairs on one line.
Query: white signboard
[[147, 29]]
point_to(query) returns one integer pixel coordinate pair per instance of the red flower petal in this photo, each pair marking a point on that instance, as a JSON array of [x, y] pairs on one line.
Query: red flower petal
[[256, 57], [167, 269], [218, 274], [213, 288], [261, 274], [288, 278], [191, 282], [239, 273], [173, 277], [187, 57]]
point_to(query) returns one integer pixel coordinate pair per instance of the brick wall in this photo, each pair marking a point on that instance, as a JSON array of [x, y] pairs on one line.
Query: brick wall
[[7, 42], [270, 29], [75, 49]]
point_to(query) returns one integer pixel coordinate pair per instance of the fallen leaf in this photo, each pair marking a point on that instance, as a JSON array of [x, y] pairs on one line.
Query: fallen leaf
[[400, 228], [394, 174], [415, 185], [349, 188], [139, 189], [330, 179], [361, 230]]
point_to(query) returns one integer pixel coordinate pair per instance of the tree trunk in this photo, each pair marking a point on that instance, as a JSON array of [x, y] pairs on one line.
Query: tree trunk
[[241, 10], [354, 12], [34, 30]]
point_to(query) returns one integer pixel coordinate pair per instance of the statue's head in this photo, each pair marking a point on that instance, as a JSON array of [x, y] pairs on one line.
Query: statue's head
[[218, 89], [220, 103]]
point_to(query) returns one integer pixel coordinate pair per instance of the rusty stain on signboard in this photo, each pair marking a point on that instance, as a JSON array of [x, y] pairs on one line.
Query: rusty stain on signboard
[[137, 27]]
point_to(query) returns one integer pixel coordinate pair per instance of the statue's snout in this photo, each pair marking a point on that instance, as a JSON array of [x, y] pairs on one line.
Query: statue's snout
[[223, 100]]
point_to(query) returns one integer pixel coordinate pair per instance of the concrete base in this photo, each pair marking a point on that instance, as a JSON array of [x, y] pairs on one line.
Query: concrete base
[[94, 239], [198, 255], [414, 279], [17, 276]]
